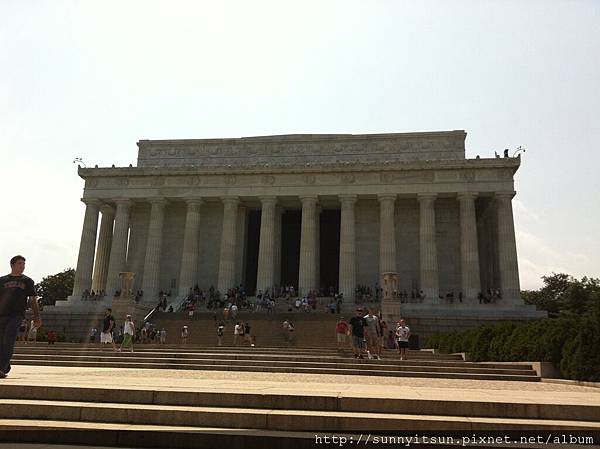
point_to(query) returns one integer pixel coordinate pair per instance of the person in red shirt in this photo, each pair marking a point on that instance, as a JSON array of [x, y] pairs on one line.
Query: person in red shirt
[[341, 331]]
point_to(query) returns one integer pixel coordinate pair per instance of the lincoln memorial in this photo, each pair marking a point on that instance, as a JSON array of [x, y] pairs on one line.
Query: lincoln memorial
[[309, 210]]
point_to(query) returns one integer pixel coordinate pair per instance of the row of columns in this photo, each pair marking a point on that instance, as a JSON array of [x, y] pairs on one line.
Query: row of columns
[[113, 238]]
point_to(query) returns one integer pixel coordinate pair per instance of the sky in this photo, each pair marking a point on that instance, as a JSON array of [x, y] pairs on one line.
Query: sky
[[90, 78]]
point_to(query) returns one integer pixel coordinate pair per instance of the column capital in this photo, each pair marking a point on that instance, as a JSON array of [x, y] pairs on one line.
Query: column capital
[[505, 195], [426, 196], [91, 202], [193, 201], [123, 202], [386, 197], [467, 195], [157, 201], [268, 199], [309, 199], [107, 210], [230, 200], [348, 198]]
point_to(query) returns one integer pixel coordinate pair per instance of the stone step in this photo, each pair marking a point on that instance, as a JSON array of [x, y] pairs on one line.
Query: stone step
[[331, 402], [250, 367], [269, 419], [193, 437], [272, 362], [246, 349], [267, 356]]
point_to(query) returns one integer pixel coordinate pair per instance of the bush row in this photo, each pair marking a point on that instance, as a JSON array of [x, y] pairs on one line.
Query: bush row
[[571, 343]]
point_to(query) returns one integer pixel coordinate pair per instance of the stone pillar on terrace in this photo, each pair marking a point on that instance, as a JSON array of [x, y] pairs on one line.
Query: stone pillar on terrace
[[387, 234], [242, 230], [103, 248], [266, 249], [87, 246], [228, 243], [118, 249], [307, 276], [278, 213], [469, 251], [189, 256], [151, 280], [428, 248], [510, 289], [347, 271]]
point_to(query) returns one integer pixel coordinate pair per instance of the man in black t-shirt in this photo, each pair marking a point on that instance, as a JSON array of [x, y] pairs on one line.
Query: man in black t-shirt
[[357, 327], [16, 290], [108, 327]]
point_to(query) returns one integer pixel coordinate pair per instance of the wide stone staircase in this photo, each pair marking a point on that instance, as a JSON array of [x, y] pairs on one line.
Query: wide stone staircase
[[167, 418], [278, 360]]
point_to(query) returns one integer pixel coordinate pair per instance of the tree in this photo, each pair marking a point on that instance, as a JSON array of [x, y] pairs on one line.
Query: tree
[[56, 286], [562, 294]]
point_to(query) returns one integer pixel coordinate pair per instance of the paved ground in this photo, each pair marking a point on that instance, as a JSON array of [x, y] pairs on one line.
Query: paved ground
[[305, 384]]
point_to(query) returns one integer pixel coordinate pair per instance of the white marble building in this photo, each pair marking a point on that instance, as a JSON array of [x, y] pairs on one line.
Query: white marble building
[[308, 210]]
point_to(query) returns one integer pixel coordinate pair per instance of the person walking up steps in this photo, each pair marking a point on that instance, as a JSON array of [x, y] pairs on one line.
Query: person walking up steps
[[108, 327], [403, 335], [128, 333], [16, 290]]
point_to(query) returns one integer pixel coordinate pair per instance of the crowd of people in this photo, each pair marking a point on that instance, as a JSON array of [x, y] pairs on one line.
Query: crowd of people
[[368, 334]]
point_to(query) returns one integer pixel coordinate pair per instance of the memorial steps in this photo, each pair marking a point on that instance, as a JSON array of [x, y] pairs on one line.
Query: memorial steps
[[291, 360], [163, 417]]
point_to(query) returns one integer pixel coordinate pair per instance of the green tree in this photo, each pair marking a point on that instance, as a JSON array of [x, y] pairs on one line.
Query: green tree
[[56, 286]]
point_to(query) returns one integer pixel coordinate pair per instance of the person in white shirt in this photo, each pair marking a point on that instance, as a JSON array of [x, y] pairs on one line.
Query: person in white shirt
[[403, 335], [128, 333], [237, 332]]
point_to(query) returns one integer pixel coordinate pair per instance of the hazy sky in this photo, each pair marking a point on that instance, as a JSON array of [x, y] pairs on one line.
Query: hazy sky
[[89, 79]]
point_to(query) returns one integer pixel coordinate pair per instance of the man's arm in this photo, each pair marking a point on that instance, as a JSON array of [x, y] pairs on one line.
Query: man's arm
[[37, 321]]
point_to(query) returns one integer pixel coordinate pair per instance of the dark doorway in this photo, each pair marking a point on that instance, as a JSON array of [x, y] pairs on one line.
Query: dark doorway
[[252, 239], [330, 250], [291, 223]]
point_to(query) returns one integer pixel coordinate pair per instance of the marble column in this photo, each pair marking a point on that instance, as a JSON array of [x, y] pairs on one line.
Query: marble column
[[307, 276], [228, 240], [510, 289], [151, 280], [387, 234], [189, 256], [266, 248], [278, 213], [469, 251], [428, 248], [242, 239], [347, 272], [87, 246], [103, 248], [118, 249]]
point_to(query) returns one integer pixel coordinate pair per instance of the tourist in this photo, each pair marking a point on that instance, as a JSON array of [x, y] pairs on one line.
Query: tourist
[[16, 290], [184, 335], [220, 332], [403, 335], [108, 326], [93, 334], [357, 329], [128, 333], [22, 331], [341, 332], [238, 330], [247, 335], [32, 334], [373, 334], [390, 341], [163, 336], [51, 337]]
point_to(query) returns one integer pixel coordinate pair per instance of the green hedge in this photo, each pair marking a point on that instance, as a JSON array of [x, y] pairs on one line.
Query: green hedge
[[571, 343]]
